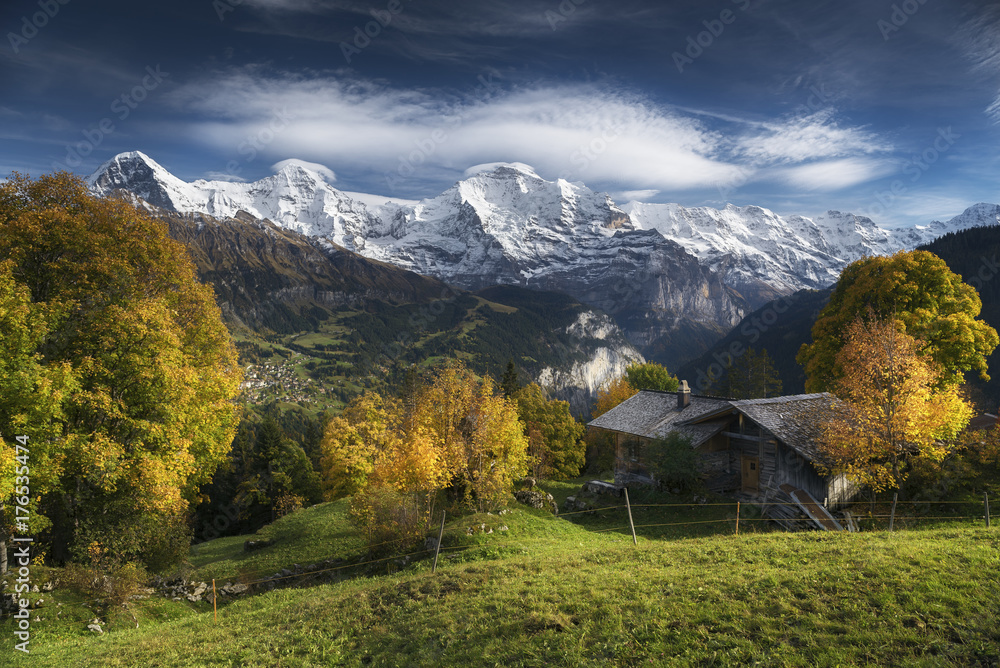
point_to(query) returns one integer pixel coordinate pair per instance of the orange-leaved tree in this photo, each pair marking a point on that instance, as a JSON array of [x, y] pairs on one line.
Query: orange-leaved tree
[[454, 432], [891, 406], [612, 393]]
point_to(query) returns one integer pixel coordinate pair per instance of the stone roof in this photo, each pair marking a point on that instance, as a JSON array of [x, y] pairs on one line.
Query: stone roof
[[795, 420], [653, 414]]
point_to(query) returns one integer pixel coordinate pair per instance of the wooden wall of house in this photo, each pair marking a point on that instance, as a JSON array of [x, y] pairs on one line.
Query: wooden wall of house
[[840, 490], [765, 452], [797, 471], [715, 458], [628, 460]]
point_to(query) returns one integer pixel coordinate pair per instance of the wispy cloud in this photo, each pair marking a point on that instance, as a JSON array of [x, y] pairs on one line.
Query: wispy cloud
[[589, 132], [812, 137], [979, 40], [834, 174]]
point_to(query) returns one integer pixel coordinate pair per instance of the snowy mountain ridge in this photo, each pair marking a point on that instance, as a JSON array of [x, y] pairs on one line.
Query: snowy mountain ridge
[[510, 225], [673, 277]]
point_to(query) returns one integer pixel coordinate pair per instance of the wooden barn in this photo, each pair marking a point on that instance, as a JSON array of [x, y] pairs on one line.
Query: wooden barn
[[755, 449]]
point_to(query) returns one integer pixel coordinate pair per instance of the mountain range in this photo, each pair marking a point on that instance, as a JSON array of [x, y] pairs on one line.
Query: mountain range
[[675, 279]]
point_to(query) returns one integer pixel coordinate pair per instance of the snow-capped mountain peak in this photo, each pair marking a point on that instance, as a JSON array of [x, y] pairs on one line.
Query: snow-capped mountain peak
[[141, 175], [503, 223]]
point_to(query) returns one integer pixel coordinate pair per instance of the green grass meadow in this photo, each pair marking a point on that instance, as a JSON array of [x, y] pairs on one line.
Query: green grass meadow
[[539, 590]]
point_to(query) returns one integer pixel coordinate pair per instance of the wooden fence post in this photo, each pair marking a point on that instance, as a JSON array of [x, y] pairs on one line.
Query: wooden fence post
[[630, 523], [437, 548], [737, 518], [892, 513], [986, 502], [215, 597]]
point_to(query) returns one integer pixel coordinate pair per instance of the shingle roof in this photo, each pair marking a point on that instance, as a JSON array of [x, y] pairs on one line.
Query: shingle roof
[[795, 420], [652, 414]]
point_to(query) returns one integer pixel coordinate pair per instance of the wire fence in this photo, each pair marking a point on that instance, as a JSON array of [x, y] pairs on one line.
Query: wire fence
[[873, 521], [877, 518]]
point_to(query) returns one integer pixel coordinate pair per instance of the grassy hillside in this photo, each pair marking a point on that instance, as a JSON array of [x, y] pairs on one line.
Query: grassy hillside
[[568, 591]]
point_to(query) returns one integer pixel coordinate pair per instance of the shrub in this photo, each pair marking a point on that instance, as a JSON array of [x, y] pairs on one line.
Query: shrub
[[674, 463], [105, 579], [393, 520]]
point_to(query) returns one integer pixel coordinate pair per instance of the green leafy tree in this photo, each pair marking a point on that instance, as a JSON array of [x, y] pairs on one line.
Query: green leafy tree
[[651, 376], [752, 376], [556, 439], [152, 412], [917, 291], [280, 470]]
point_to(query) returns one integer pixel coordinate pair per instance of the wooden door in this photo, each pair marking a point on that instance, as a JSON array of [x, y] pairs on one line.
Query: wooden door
[[751, 473]]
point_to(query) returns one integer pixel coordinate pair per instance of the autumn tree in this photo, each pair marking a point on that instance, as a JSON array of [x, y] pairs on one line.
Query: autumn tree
[[752, 376], [917, 291], [651, 376], [556, 440], [32, 394], [452, 433], [612, 393], [151, 413], [480, 434], [891, 407], [354, 440]]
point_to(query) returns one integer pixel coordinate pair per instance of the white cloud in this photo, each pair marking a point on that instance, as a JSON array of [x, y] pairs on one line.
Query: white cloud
[[833, 174], [634, 195], [812, 137], [322, 170], [581, 132]]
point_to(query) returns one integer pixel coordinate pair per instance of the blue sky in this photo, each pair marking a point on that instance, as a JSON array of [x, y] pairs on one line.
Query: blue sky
[[889, 109]]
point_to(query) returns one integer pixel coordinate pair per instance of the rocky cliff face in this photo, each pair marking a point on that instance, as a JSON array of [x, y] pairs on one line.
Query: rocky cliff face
[[579, 381]]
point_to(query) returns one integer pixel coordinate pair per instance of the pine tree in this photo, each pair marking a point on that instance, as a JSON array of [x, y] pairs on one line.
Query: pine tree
[[510, 385], [753, 376]]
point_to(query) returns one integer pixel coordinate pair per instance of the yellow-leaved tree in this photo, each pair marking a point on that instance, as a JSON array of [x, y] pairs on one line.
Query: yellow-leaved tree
[[150, 411], [354, 441], [454, 433], [892, 406], [612, 393]]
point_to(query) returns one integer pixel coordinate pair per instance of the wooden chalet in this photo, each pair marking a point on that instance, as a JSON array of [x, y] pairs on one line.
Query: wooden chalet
[[755, 449]]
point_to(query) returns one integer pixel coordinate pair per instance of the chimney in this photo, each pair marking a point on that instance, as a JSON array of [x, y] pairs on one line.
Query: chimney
[[683, 395]]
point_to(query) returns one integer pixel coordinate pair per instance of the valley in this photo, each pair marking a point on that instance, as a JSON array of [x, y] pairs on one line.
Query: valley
[[291, 255]]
